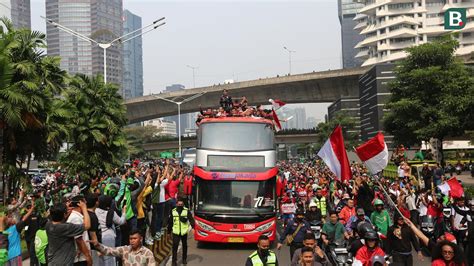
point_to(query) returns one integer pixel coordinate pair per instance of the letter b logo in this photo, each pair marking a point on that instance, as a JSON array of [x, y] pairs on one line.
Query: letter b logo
[[455, 19]]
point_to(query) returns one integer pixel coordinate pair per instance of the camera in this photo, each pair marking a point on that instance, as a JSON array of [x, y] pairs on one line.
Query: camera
[[74, 204]]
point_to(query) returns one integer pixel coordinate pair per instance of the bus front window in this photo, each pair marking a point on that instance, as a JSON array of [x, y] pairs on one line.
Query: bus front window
[[236, 196]]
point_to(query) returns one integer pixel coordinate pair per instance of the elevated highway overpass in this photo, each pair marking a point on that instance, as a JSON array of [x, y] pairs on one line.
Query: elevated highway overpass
[[191, 143], [315, 87]]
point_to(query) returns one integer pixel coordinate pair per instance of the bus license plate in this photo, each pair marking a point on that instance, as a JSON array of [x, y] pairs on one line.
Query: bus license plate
[[235, 240]]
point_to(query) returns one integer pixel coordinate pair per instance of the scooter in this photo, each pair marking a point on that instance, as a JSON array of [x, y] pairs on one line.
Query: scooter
[[427, 227], [316, 227], [338, 254], [447, 219]]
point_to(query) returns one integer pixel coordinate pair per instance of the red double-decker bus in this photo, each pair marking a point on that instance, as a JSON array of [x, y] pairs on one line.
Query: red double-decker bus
[[235, 180]]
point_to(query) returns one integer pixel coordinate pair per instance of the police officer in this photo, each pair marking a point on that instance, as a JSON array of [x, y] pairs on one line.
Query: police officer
[[179, 222], [263, 256], [320, 202], [297, 229]]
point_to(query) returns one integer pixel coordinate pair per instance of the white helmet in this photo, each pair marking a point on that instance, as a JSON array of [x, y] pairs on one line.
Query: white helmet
[[312, 204]]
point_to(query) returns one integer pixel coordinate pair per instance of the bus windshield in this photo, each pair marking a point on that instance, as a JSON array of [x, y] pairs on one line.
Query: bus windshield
[[236, 136], [236, 196]]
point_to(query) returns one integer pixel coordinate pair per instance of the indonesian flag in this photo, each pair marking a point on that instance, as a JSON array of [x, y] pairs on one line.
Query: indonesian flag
[[374, 153], [452, 188], [277, 104], [276, 120], [334, 155]]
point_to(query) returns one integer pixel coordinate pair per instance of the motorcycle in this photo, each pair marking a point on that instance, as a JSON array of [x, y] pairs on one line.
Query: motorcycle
[[458, 169], [316, 227], [427, 227], [338, 254], [447, 219]]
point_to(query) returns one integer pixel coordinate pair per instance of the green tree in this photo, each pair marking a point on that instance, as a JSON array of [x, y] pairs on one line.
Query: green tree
[[432, 95], [26, 96], [97, 136], [323, 130], [137, 136]]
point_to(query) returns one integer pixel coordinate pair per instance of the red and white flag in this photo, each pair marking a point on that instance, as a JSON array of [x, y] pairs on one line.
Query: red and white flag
[[334, 155], [452, 187], [374, 153], [276, 121], [277, 104]]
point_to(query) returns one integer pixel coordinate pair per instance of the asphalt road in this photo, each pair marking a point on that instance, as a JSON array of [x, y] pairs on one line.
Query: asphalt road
[[214, 254]]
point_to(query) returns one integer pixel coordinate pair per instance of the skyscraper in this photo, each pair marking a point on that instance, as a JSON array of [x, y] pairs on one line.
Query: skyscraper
[[300, 117], [21, 13], [389, 27], [107, 25], [100, 20], [132, 58], [347, 10], [184, 117]]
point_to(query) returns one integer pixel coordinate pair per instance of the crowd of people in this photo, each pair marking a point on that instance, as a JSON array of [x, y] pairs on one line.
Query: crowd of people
[[104, 220], [74, 221], [239, 107], [376, 219]]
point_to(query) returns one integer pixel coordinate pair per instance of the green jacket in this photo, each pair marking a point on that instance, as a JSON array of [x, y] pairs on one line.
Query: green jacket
[[381, 220]]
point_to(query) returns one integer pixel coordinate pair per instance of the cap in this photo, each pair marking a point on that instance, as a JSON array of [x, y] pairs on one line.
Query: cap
[[312, 204], [360, 211], [378, 202], [346, 196]]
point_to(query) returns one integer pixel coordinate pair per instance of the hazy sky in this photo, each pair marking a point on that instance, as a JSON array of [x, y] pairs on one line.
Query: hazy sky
[[240, 40]]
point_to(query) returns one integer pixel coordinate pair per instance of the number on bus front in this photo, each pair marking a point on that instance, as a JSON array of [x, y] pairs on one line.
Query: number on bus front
[[258, 202]]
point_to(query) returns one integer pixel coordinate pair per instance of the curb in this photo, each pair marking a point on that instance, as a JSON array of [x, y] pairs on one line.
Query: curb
[[161, 248]]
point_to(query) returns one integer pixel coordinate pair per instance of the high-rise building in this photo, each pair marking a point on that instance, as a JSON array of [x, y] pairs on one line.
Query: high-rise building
[[184, 117], [21, 13], [300, 118], [163, 126], [390, 26], [350, 107], [107, 25], [347, 10], [374, 93], [132, 58], [100, 20], [311, 122]]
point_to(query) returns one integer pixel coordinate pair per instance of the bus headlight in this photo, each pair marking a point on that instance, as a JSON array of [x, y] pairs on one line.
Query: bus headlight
[[205, 226], [264, 227]]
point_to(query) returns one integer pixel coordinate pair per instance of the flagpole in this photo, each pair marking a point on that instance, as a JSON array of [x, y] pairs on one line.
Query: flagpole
[[376, 178], [387, 195]]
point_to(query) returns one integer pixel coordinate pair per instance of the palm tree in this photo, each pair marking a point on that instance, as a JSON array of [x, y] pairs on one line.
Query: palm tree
[[27, 102], [99, 118]]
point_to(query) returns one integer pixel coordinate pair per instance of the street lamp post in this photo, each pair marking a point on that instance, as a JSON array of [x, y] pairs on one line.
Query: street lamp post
[[179, 113], [289, 55], [125, 38], [194, 77]]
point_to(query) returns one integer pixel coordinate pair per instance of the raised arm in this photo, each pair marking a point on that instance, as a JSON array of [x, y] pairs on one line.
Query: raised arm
[[424, 239], [85, 213]]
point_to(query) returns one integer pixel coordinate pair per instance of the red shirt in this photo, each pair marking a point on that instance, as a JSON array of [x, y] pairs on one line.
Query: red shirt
[[440, 262], [173, 188], [433, 210], [364, 255], [188, 185]]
